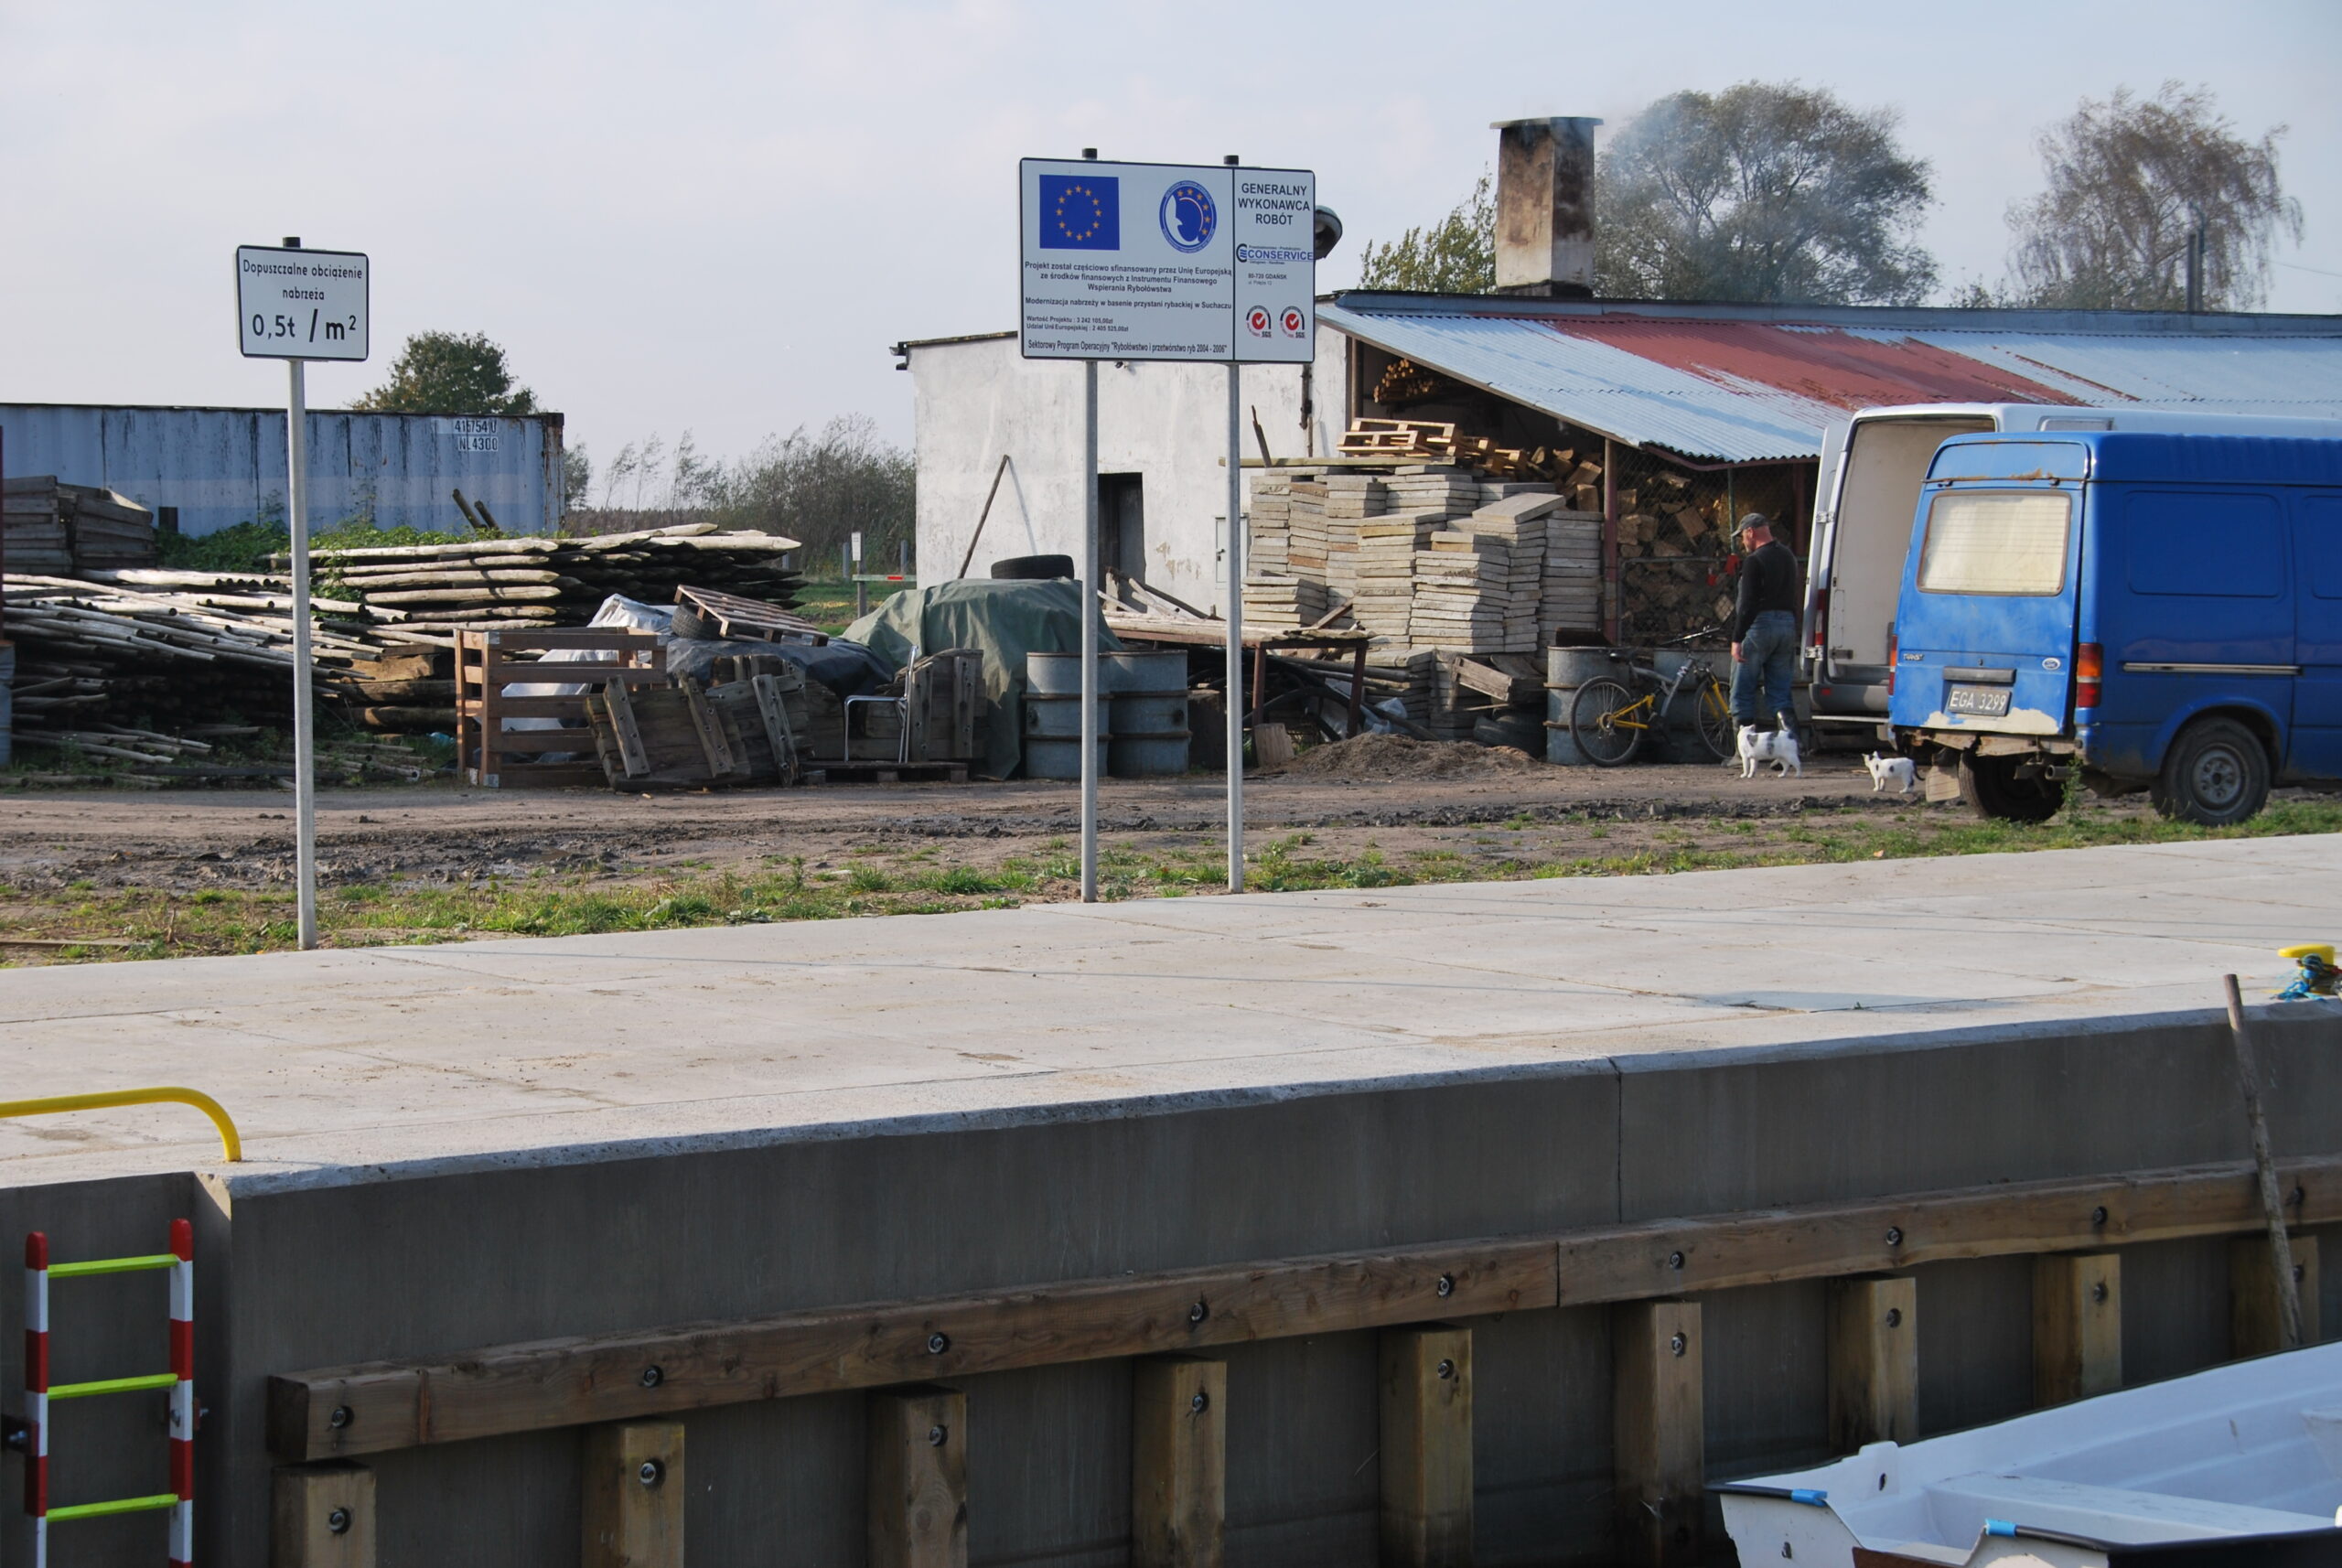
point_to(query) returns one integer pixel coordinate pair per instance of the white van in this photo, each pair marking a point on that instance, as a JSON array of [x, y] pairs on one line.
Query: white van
[[1871, 466]]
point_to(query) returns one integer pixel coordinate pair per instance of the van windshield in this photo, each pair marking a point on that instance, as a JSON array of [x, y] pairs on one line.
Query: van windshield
[[1996, 541]]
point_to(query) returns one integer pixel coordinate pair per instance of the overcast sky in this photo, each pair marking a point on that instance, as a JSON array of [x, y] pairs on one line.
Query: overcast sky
[[715, 217]]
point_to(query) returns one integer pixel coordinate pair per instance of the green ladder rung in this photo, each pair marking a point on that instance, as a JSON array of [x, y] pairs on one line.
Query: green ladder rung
[[111, 1266], [113, 1386], [119, 1505]]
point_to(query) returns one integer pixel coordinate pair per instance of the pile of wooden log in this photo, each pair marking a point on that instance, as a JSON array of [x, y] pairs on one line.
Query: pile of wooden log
[[477, 585], [47, 527]]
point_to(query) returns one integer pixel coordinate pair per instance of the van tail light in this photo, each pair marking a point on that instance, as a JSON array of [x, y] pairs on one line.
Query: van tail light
[[1820, 617], [1893, 658], [2089, 668]]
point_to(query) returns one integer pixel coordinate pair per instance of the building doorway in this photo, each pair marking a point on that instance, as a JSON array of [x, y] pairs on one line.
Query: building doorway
[[1122, 524]]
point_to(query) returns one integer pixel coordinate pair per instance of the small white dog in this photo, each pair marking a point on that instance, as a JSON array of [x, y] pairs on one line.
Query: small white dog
[[1898, 771], [1773, 748]]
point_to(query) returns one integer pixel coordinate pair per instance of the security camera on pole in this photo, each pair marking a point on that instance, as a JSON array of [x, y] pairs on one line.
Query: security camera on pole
[[1127, 262], [295, 306]]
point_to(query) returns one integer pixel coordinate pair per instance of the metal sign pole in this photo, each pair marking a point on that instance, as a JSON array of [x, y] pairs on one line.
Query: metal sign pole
[[1088, 611], [1235, 635], [304, 740]]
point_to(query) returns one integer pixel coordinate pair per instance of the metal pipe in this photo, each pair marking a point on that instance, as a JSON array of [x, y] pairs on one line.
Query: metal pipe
[[305, 739], [232, 1147], [1235, 716], [2264, 1164], [1087, 603]]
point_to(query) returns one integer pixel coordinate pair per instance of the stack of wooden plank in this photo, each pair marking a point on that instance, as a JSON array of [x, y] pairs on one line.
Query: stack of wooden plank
[[477, 584], [1283, 604], [47, 527], [1350, 499], [1570, 606], [1269, 520], [1462, 593], [88, 652], [1420, 487], [1385, 597], [1518, 522], [1305, 526]]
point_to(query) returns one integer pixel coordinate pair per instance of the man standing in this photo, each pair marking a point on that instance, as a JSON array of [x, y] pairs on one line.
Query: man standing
[[1764, 627]]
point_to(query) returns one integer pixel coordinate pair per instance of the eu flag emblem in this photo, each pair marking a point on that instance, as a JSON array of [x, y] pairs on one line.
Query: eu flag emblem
[[1081, 212]]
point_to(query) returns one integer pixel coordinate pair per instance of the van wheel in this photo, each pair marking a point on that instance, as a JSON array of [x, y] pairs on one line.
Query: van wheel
[[1989, 785], [2214, 773]]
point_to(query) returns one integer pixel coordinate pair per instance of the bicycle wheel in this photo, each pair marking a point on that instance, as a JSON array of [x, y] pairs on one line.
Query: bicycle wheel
[[1609, 722], [1713, 708]]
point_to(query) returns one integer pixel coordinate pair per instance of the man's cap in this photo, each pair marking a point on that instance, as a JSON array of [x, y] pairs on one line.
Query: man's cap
[[1754, 520]]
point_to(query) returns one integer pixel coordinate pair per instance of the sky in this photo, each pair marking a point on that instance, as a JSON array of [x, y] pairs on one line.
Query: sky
[[716, 218]]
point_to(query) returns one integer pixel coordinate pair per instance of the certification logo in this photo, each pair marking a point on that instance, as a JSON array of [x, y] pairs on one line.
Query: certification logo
[[1293, 321], [1081, 212], [1188, 216], [1257, 321]]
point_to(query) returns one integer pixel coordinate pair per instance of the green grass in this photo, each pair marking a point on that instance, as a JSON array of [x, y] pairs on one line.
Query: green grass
[[219, 920]]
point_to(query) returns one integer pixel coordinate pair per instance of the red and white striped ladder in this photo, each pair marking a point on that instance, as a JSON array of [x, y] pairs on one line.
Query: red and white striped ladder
[[180, 1380]]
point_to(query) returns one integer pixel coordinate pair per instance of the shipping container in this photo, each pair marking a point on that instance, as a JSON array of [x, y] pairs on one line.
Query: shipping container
[[219, 467]]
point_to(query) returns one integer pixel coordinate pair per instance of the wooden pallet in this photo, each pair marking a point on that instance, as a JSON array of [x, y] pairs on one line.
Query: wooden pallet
[[494, 757]]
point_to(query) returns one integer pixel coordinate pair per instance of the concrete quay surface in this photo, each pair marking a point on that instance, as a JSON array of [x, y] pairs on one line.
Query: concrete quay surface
[[353, 1065]]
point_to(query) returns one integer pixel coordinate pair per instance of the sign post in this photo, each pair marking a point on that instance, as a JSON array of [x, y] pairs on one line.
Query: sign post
[[1210, 264], [295, 306]]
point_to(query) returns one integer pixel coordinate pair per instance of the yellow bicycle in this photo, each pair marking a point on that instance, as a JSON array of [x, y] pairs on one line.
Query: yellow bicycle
[[1612, 716]]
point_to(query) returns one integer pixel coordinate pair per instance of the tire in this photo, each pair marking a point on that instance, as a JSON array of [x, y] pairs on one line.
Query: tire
[[1032, 568], [1522, 732], [1989, 785], [2214, 773], [1605, 743], [1712, 710]]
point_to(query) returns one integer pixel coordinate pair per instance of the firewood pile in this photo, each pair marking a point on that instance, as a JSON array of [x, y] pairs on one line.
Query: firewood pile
[[49, 527], [1675, 549], [479, 585]]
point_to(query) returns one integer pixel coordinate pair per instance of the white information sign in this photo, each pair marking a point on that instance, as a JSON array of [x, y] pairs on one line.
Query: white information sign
[[1168, 262], [301, 305]]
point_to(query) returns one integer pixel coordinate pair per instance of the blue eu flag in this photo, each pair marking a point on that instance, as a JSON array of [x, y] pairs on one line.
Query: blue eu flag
[[1081, 212]]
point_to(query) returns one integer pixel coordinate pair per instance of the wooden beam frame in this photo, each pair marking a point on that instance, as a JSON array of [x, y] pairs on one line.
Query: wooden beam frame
[[2254, 1315], [1178, 1462], [1426, 1446], [634, 1490], [376, 1407], [1873, 1360], [2077, 1327], [918, 1478], [1658, 1425]]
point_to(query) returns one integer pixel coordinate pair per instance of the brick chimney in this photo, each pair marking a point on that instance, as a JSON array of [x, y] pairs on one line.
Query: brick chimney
[[1545, 207]]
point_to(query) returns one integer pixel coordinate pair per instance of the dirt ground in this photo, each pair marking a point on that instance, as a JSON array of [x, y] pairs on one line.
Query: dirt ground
[[1491, 804]]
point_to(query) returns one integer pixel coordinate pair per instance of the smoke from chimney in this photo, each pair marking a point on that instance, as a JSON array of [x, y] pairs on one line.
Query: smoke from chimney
[[1545, 207]]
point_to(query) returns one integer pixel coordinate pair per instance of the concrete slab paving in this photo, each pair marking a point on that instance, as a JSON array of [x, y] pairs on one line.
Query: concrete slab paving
[[353, 1064]]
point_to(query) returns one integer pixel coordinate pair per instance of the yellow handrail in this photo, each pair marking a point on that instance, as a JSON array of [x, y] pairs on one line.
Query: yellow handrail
[[229, 1145]]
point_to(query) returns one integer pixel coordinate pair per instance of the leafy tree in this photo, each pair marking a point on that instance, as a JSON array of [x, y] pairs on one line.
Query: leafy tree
[[1456, 255], [577, 475], [2129, 179], [1762, 192], [450, 372]]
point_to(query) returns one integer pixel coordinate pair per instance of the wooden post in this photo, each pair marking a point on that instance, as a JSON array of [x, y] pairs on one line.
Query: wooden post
[[322, 1516], [2256, 1316], [633, 1514], [1660, 1431], [1427, 1447], [918, 1478], [1178, 1462], [1874, 1362], [2076, 1326]]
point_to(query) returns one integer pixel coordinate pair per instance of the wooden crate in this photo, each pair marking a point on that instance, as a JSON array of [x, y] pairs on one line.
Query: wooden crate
[[944, 696], [486, 663]]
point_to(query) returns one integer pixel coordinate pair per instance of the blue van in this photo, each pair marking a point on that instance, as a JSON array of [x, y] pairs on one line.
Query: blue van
[[2158, 611]]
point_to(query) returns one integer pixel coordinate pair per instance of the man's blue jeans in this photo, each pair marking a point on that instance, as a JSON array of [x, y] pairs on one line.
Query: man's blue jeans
[[1767, 663]]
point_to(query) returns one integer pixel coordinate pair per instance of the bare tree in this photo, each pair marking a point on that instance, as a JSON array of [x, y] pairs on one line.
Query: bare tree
[[1456, 255], [2130, 180], [1766, 191]]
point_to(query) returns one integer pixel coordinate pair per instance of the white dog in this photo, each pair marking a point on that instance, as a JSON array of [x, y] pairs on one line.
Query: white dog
[[1775, 748], [1898, 771]]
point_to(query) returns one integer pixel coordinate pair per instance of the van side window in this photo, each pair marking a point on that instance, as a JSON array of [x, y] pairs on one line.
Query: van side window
[[2320, 519], [1996, 541], [2204, 544]]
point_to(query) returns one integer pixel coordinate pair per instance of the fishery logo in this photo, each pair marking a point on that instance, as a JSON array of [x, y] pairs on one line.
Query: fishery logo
[[1189, 217]]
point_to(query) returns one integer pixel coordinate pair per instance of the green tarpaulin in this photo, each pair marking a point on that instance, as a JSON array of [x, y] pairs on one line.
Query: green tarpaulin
[[1006, 620]]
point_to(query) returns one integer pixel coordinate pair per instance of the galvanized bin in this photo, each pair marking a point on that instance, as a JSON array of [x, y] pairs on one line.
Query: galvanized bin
[[1147, 714], [1567, 669], [1053, 716]]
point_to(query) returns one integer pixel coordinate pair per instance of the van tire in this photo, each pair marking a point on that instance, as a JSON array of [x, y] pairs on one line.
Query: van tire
[[2214, 773], [1989, 785]]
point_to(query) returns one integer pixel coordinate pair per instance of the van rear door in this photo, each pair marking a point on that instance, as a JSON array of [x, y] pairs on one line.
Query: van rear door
[[1985, 621], [1858, 556], [2317, 622]]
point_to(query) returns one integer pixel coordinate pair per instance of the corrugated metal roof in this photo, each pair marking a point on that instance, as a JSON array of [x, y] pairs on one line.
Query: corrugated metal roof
[[1745, 385]]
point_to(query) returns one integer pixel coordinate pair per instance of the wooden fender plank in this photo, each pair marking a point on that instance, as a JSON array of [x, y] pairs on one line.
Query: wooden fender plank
[[569, 1382]]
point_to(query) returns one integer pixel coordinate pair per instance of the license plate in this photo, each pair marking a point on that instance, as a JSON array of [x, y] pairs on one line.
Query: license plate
[[1985, 702]]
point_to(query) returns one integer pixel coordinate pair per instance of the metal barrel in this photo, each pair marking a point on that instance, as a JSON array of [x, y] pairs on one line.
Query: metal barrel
[[1147, 714], [1567, 669], [1053, 716], [1057, 674]]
